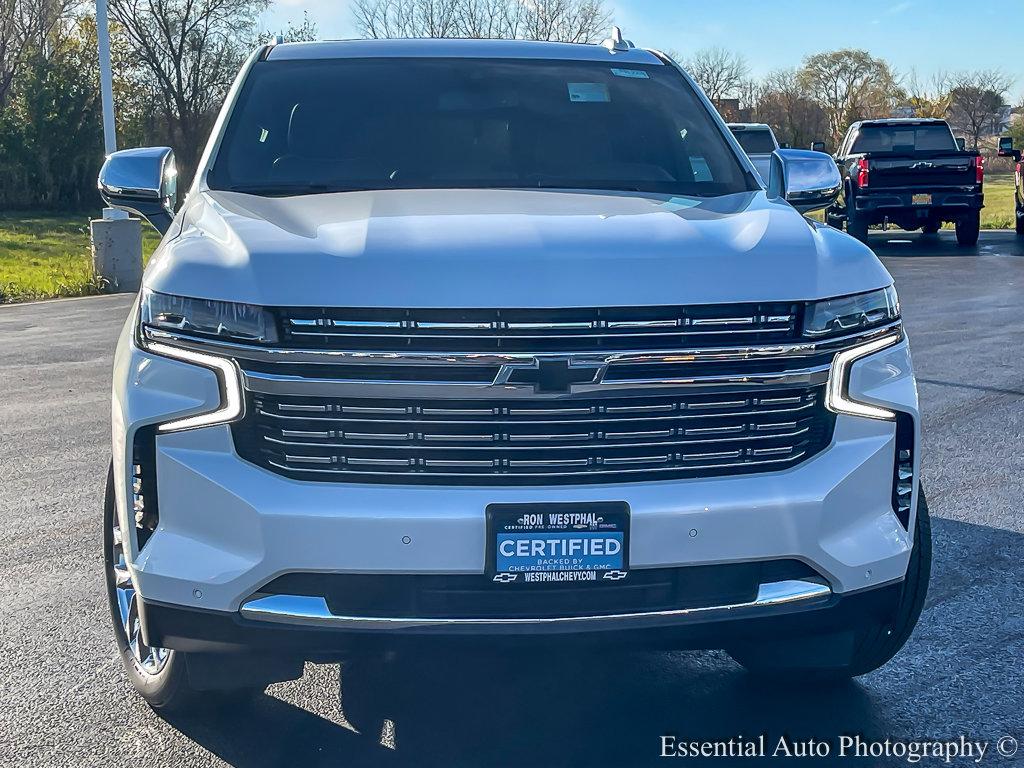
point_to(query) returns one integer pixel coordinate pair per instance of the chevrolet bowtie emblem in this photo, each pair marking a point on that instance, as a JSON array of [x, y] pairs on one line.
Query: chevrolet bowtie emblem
[[557, 375]]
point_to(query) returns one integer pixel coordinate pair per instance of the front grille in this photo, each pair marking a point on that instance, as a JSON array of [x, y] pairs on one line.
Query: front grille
[[477, 597], [539, 330], [573, 440]]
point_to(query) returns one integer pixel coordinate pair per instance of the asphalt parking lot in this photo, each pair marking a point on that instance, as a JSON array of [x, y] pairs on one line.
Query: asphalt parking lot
[[65, 701]]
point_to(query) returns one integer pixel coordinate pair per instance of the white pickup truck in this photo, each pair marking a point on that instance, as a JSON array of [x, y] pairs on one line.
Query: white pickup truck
[[505, 341]]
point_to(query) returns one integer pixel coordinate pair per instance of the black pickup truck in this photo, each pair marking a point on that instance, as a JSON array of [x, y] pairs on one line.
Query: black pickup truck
[[911, 173]]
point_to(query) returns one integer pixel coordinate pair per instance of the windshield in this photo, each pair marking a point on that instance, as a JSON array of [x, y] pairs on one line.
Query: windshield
[[905, 138], [407, 123], [755, 142]]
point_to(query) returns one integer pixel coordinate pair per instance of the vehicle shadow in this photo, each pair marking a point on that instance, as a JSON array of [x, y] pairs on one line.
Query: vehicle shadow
[[483, 709]]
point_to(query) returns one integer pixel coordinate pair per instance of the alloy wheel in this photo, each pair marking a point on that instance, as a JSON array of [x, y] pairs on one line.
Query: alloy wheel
[[150, 659]]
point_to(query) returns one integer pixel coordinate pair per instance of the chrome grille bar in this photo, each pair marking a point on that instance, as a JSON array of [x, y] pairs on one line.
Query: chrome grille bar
[[679, 435]]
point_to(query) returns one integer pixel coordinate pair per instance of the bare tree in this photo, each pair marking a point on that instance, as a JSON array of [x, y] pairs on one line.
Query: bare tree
[[978, 103], [25, 25], [572, 21], [849, 85], [187, 53], [300, 33], [577, 21], [718, 72], [787, 106], [931, 98]]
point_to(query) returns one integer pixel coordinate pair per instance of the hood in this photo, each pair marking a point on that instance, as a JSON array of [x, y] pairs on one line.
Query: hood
[[505, 248]]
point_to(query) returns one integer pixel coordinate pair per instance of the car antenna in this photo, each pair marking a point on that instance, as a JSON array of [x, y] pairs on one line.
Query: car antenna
[[616, 44]]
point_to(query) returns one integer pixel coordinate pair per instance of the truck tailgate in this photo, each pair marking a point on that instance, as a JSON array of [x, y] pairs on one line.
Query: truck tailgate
[[921, 171]]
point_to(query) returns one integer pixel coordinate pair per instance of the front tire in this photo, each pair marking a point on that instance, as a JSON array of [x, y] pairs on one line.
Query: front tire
[[877, 643], [968, 228], [158, 674], [1019, 220]]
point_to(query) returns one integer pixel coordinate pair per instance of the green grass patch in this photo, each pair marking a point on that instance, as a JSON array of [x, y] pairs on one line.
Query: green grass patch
[[998, 212], [45, 255]]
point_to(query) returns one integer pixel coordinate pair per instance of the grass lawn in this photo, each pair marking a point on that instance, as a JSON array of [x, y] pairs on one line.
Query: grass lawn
[[47, 255], [998, 211]]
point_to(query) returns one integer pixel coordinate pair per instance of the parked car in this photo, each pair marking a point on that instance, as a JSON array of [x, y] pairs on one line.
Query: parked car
[[758, 141], [1006, 149], [911, 173], [500, 342]]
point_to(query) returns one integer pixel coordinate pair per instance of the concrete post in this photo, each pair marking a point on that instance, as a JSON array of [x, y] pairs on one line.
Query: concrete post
[[117, 254]]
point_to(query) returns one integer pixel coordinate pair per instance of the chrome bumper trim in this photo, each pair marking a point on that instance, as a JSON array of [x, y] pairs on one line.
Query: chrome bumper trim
[[305, 610]]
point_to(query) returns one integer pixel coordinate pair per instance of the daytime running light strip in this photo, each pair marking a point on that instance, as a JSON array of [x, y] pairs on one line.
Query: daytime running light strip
[[231, 406], [835, 398]]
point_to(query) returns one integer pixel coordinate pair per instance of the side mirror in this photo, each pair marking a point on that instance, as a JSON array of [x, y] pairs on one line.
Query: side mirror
[[817, 146], [809, 181], [142, 181], [961, 143], [1006, 148]]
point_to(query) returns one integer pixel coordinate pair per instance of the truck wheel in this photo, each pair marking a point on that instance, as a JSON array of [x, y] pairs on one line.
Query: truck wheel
[[968, 228], [877, 643], [857, 227], [1019, 221], [160, 675], [833, 218]]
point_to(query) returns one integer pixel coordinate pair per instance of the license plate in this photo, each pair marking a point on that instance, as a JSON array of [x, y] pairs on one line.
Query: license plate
[[558, 543], [921, 200]]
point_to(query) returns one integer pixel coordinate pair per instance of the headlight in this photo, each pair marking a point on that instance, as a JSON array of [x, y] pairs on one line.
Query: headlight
[[203, 318], [224, 320], [837, 394], [849, 314]]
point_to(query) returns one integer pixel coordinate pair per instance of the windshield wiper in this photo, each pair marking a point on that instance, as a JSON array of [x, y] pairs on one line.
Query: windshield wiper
[[284, 190]]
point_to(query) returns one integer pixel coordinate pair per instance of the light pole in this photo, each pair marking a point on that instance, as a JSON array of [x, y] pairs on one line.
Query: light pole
[[106, 92], [116, 238], [106, 78]]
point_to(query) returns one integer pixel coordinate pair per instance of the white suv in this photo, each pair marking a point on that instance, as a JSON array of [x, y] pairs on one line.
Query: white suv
[[501, 340]]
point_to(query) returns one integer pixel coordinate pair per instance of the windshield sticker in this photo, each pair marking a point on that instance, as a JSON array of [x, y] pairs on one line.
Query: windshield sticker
[[592, 92], [674, 204], [636, 74]]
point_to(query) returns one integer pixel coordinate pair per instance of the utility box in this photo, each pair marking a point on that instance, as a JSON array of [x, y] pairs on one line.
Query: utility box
[[117, 254]]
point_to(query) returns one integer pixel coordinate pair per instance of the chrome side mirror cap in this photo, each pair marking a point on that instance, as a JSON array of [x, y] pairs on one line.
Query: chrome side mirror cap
[[808, 180], [142, 181]]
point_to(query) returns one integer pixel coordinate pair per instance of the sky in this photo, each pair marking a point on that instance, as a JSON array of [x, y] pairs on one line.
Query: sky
[[779, 33]]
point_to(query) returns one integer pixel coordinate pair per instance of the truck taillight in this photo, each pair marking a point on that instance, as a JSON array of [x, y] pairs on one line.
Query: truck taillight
[[862, 172], [1017, 171], [979, 169]]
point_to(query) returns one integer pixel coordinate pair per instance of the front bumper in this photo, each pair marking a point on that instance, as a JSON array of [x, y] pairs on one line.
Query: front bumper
[[227, 527]]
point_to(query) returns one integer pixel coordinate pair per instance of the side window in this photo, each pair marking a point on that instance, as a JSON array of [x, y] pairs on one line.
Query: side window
[[844, 148]]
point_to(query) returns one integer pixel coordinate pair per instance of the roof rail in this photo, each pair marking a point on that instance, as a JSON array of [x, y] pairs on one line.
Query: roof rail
[[616, 44]]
